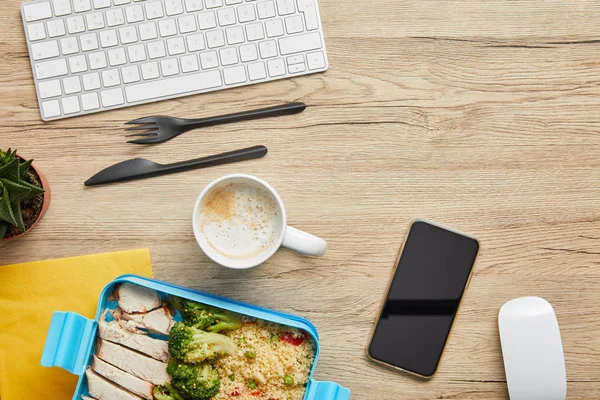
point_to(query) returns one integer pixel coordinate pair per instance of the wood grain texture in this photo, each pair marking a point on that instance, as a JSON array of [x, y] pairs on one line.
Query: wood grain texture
[[482, 115]]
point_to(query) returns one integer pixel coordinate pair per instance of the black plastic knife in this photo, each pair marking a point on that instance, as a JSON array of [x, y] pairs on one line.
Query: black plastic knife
[[139, 168]]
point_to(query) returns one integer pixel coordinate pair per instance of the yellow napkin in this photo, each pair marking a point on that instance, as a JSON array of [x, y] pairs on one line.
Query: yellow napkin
[[29, 294]]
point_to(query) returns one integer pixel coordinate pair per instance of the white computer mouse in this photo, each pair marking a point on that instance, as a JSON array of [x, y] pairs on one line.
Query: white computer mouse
[[534, 361]]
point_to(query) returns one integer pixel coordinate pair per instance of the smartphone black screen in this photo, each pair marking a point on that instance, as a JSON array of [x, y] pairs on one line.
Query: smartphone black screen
[[423, 298]]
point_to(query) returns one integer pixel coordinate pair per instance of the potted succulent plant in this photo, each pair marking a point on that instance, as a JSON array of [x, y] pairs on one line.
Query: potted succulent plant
[[24, 195]]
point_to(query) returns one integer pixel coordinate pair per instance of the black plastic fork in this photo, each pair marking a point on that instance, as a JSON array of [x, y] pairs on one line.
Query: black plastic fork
[[159, 129]]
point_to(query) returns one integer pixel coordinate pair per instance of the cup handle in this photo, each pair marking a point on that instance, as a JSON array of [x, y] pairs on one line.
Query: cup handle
[[303, 242]]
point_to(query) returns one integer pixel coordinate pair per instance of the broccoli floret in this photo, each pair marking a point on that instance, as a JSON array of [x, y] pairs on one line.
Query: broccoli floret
[[194, 382], [191, 345], [166, 392], [206, 317]]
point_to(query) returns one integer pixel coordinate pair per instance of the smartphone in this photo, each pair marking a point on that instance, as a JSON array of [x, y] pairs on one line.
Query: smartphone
[[430, 278]]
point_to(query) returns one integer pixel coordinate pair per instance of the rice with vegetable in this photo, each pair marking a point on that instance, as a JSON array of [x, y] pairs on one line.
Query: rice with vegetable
[[271, 361]]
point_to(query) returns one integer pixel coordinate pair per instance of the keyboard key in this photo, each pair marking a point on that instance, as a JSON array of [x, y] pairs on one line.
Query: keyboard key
[[169, 67], [56, 28], [115, 17], [257, 71], [51, 69], [193, 5], [111, 78], [174, 86], [235, 35], [91, 81], [276, 67], [112, 97], [49, 89], [232, 2], [266, 9], [71, 84], [148, 31], [195, 42], [295, 59], [294, 24], [121, 2], [50, 108], [75, 24], [89, 101], [316, 60], [109, 38], [117, 57], [268, 49], [41, 51], [189, 63], [70, 105], [309, 9], [134, 13], [228, 56], [154, 9], [226, 16], [209, 59], [94, 21], [150, 70], [98, 4], [215, 39], [130, 73], [248, 52], [36, 31], [62, 7], [274, 27], [128, 34], [167, 27], [285, 7], [37, 11], [300, 43], [82, 5], [89, 41], [97, 60], [78, 64], [138, 52], [69, 45], [295, 68], [187, 24], [255, 31], [173, 7], [207, 20], [176, 46], [214, 3], [156, 49], [246, 13], [234, 75]]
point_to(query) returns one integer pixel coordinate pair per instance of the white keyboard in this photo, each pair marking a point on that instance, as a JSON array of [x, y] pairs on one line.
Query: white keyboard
[[93, 55]]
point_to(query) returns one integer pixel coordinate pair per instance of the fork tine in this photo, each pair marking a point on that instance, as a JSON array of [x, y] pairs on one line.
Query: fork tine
[[144, 120], [143, 134], [141, 127], [148, 140]]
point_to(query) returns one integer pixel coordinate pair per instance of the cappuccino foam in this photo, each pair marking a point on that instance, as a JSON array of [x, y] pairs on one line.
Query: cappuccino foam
[[240, 220]]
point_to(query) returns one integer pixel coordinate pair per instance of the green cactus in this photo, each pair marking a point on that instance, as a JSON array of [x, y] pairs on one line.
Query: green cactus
[[14, 189]]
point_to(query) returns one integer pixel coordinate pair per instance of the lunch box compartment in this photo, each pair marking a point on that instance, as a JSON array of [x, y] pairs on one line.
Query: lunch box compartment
[[70, 343]]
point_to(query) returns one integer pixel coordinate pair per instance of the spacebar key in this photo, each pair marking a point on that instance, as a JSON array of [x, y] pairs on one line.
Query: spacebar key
[[173, 86]]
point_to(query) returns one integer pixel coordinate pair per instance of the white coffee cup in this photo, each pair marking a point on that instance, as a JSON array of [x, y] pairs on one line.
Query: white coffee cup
[[239, 222]]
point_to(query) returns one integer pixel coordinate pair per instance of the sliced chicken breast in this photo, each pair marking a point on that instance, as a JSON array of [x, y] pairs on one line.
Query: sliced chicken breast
[[137, 299], [103, 389], [157, 321], [112, 331], [136, 364], [123, 379]]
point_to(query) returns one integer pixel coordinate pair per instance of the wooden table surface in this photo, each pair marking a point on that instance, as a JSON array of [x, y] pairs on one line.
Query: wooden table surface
[[481, 115]]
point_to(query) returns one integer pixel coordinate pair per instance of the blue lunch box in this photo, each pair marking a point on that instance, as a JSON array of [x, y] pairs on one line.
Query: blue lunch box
[[71, 342]]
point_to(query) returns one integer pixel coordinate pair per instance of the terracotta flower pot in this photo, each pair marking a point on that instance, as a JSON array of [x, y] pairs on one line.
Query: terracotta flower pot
[[45, 205]]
